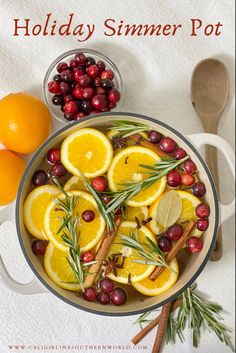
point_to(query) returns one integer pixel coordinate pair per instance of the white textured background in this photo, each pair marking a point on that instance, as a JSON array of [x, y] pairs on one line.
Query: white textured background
[[156, 73]]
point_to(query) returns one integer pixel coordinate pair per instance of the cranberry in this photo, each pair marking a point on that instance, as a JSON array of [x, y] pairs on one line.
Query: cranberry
[[194, 245], [62, 67], [189, 166], [58, 170], [173, 178], [69, 117], [154, 136], [73, 63], [99, 183], [107, 84], [66, 76], [112, 105], [106, 199], [53, 155], [86, 106], [174, 232], [95, 111], [118, 211], [106, 285], [167, 144], [101, 65], [107, 74], [88, 256], [90, 61], [199, 189], [77, 73], [179, 153], [118, 296], [54, 87], [84, 80], [68, 98], [57, 78], [88, 92], [39, 178], [99, 101], [81, 59], [164, 243], [39, 247], [88, 216], [90, 294], [97, 82], [114, 95], [202, 210], [57, 100], [71, 107], [78, 92], [64, 87], [187, 179], [79, 115], [92, 71], [202, 224], [103, 298], [100, 90]]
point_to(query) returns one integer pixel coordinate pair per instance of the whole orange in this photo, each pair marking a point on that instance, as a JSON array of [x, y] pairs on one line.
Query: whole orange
[[25, 122], [11, 170]]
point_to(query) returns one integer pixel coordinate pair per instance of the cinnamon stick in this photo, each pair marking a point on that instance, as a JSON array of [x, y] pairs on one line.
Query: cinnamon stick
[[101, 254], [161, 330], [143, 333], [174, 251], [137, 138]]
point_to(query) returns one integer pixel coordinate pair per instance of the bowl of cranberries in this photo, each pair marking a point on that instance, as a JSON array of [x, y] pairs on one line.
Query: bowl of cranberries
[[82, 82]]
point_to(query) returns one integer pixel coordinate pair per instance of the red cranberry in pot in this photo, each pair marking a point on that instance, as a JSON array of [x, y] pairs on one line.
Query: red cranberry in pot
[[39, 247], [59, 170], [114, 95], [107, 74], [90, 294], [106, 285], [173, 178], [84, 80], [202, 224], [62, 67], [199, 189], [99, 183], [53, 155], [78, 92], [194, 245], [154, 136], [88, 92], [39, 178], [187, 179], [54, 87], [164, 243], [88, 215], [174, 232], [179, 153], [202, 210], [71, 108], [66, 75], [101, 65], [92, 71], [64, 87], [80, 59], [168, 145], [99, 102], [88, 256], [103, 298], [118, 296], [77, 73], [189, 166]]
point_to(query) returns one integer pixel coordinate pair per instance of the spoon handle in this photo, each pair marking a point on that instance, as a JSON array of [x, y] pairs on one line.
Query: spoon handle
[[212, 162]]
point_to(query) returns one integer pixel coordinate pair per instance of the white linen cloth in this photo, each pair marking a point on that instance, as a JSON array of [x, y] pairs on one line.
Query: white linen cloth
[[156, 73]]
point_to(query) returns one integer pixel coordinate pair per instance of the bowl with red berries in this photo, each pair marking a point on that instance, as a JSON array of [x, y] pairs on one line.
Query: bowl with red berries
[[82, 82]]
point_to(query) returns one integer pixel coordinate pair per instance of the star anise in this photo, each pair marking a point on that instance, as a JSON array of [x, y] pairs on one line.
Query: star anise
[[112, 263]]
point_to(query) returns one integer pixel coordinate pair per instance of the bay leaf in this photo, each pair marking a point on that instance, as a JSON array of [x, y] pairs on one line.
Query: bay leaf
[[169, 209]]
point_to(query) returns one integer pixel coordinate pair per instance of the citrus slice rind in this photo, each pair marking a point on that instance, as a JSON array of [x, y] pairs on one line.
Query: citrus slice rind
[[131, 271], [58, 269], [140, 212], [162, 283], [86, 151], [75, 183], [189, 203], [34, 208], [90, 233], [125, 166]]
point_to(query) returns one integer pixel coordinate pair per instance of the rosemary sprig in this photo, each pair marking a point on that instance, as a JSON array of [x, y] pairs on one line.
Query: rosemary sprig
[[70, 235], [126, 128], [195, 312], [150, 253], [131, 188]]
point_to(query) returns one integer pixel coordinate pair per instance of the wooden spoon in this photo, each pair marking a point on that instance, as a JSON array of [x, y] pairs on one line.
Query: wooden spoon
[[210, 91]]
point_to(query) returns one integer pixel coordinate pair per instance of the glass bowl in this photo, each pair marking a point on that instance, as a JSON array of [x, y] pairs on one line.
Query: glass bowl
[[66, 57]]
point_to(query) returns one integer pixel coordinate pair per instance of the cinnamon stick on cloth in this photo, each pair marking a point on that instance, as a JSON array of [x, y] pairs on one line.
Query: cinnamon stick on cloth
[[101, 254], [137, 138], [174, 251], [161, 330], [143, 333]]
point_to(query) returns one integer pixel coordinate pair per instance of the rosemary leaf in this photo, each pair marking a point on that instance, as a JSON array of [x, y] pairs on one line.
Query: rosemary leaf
[[126, 128]]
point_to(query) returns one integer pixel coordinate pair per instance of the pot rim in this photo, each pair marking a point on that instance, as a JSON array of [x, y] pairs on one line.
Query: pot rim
[[215, 197]]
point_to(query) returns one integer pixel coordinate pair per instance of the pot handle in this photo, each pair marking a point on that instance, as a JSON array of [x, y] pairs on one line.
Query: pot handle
[[33, 287], [214, 140]]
